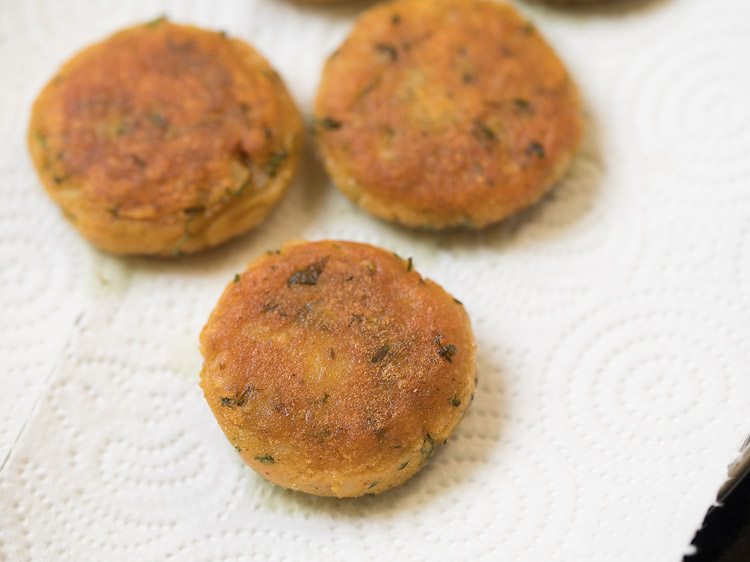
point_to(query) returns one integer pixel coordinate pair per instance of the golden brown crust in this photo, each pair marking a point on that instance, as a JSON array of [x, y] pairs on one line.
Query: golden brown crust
[[446, 113], [335, 368], [165, 139]]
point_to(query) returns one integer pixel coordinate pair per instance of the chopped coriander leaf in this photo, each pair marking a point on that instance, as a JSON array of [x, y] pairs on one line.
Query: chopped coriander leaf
[[140, 162], [269, 307], [275, 161], [522, 105], [428, 446], [177, 251], [308, 275], [158, 119], [380, 353], [238, 401], [265, 459], [482, 132], [387, 50], [409, 264], [236, 278], [41, 138], [447, 352], [456, 402], [157, 21], [239, 191], [535, 149], [330, 123]]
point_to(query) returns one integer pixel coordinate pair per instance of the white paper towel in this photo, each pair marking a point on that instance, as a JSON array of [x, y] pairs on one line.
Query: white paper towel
[[613, 321]]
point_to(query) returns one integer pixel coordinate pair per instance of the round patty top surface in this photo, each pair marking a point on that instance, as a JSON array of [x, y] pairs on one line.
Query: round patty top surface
[[335, 368], [446, 113], [149, 136]]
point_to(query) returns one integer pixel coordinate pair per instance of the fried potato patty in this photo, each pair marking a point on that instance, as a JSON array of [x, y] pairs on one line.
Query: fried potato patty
[[165, 139], [336, 369], [446, 113]]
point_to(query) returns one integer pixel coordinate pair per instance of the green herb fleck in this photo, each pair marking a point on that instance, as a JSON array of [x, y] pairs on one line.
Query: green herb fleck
[[456, 402], [380, 354], [121, 128], [369, 88], [236, 448], [371, 486], [409, 264], [387, 50], [330, 124], [158, 119], [447, 352], [177, 251], [482, 132], [140, 162], [522, 105], [325, 398], [223, 34], [535, 149], [236, 278], [428, 446], [265, 459], [41, 138], [402, 466], [269, 307], [239, 191], [59, 179], [240, 400], [309, 275], [457, 301], [156, 22], [275, 161]]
